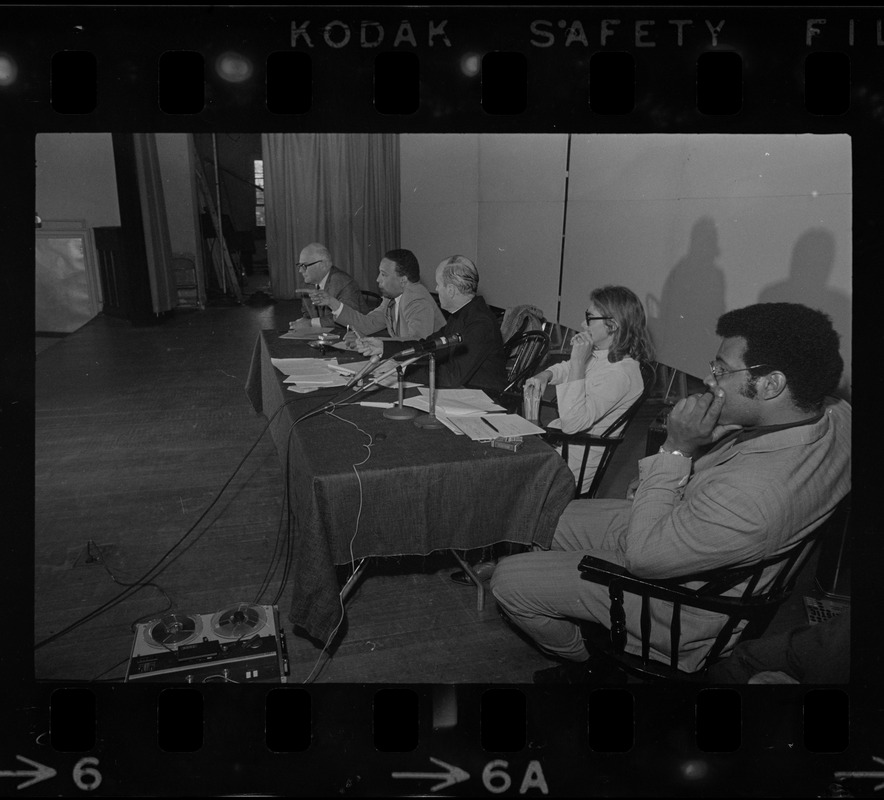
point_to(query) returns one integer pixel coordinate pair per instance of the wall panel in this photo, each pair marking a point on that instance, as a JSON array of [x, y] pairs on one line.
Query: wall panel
[[699, 224]]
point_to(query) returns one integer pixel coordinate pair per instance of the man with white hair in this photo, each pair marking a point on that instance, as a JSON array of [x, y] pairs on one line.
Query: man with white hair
[[316, 267], [478, 361]]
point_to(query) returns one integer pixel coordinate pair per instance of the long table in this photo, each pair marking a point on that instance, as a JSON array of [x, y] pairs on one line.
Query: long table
[[421, 490]]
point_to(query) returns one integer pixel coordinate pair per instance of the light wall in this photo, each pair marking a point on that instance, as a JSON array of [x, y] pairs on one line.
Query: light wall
[[694, 224], [76, 178], [495, 198], [700, 224]]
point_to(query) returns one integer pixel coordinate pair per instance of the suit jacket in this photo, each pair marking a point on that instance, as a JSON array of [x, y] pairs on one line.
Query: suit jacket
[[743, 501], [341, 286], [477, 362], [419, 315]]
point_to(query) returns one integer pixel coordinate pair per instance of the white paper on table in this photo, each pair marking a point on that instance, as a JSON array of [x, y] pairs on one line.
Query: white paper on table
[[302, 389], [327, 377], [308, 333], [390, 381], [316, 380], [507, 426], [454, 402], [447, 423], [304, 366], [350, 368]]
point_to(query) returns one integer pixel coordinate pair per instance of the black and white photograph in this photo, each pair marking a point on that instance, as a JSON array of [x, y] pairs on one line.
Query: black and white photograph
[[442, 400], [140, 425]]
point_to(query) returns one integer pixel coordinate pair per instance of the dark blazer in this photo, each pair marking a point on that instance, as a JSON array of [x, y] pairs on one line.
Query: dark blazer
[[477, 362], [341, 286]]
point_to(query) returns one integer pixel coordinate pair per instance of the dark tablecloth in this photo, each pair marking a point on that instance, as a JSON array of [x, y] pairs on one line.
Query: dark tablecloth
[[421, 490]]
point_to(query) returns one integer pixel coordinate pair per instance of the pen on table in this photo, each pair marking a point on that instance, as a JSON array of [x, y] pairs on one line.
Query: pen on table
[[489, 424]]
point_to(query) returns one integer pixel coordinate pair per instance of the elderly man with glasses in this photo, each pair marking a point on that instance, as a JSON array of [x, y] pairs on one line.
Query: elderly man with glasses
[[316, 268], [748, 469]]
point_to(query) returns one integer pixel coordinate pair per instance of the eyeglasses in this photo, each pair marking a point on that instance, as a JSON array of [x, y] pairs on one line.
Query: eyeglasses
[[590, 317], [302, 265], [719, 371]]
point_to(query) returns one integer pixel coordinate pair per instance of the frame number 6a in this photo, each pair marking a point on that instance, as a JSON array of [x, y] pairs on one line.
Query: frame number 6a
[[497, 780]]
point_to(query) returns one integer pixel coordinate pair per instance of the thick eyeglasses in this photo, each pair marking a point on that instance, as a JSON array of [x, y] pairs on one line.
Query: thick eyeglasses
[[719, 372], [590, 317], [302, 265]]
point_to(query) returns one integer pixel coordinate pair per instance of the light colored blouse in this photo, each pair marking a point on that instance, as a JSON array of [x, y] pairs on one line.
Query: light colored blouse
[[606, 391]]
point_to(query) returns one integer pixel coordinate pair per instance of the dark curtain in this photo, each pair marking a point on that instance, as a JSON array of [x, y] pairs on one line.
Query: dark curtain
[[341, 190]]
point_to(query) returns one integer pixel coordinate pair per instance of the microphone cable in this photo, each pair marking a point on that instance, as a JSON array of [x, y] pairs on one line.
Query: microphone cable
[[286, 506], [334, 632], [156, 569]]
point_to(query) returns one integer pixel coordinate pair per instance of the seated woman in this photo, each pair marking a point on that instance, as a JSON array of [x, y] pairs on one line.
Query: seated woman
[[602, 378], [599, 382]]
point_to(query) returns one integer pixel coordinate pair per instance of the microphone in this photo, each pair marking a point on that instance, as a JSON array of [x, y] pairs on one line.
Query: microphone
[[372, 363], [428, 346]]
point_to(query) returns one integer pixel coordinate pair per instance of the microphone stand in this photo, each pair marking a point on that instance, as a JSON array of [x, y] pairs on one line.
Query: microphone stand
[[357, 390], [399, 411], [428, 421]]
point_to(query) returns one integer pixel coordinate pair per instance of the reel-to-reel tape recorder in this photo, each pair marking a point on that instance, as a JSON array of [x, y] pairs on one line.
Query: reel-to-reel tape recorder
[[242, 643]]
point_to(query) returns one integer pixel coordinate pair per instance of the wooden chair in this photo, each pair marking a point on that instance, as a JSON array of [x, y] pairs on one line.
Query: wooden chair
[[755, 608], [609, 439]]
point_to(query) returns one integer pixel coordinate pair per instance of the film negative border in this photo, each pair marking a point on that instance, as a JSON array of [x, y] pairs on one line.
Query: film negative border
[[536, 67], [410, 69], [405, 740]]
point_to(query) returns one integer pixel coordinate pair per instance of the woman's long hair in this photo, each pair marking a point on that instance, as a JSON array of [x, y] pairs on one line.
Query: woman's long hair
[[631, 338]]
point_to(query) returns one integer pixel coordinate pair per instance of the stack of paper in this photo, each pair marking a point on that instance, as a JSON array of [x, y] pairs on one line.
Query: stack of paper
[[308, 334], [384, 368], [485, 427], [454, 402], [310, 373]]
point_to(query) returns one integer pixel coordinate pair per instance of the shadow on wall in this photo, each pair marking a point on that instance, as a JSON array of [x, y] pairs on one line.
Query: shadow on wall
[[811, 265], [692, 299]]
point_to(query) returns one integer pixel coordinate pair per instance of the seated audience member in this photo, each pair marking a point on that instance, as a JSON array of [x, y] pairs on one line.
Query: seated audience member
[[478, 361], [807, 654], [408, 310], [602, 378], [316, 267], [777, 464]]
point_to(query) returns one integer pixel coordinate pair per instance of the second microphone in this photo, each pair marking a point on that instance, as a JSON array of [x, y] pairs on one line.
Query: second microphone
[[430, 345]]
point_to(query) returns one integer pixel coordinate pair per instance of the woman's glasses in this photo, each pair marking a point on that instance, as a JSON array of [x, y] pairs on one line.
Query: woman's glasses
[[591, 317]]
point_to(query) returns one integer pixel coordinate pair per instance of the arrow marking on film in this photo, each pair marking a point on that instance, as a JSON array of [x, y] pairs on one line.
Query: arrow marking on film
[[865, 774], [449, 778], [39, 773]]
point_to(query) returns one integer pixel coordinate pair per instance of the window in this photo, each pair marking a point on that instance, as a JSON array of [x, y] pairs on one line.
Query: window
[[259, 193]]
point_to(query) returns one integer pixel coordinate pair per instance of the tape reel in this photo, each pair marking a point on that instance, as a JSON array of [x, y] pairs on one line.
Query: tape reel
[[235, 622], [173, 630]]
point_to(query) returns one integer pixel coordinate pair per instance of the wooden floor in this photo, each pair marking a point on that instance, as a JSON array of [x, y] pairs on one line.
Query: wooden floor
[[138, 429]]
